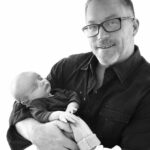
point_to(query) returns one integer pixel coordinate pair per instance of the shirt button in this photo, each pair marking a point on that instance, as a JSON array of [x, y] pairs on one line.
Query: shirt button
[[84, 98]]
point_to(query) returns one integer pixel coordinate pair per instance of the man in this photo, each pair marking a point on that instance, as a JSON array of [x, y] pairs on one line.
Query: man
[[113, 84]]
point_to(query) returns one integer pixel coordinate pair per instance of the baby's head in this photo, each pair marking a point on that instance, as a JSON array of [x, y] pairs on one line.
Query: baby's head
[[30, 85]]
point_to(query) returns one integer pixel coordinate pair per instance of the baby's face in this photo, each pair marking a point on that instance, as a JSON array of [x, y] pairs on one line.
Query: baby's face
[[38, 87]]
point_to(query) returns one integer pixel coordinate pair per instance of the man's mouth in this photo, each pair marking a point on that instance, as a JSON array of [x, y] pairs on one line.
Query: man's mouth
[[106, 46]]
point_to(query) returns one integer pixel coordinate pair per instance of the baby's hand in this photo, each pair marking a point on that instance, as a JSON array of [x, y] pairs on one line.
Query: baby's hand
[[72, 107], [71, 110], [66, 116]]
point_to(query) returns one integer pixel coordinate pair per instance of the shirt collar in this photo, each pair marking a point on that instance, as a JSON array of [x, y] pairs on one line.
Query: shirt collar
[[86, 64], [126, 68]]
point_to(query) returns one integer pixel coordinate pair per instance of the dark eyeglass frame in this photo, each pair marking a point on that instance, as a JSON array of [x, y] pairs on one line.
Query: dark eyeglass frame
[[102, 25]]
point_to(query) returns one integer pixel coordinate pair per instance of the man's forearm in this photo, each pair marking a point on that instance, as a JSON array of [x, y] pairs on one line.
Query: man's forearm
[[26, 128], [46, 135]]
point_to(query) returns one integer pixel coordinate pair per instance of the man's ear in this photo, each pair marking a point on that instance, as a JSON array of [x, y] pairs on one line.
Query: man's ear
[[135, 26]]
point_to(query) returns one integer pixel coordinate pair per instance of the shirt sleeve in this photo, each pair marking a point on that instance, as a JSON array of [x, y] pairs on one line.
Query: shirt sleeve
[[72, 96], [15, 140], [38, 109], [136, 136]]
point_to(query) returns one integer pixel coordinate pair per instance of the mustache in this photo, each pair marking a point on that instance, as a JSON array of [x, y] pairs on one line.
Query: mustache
[[105, 43]]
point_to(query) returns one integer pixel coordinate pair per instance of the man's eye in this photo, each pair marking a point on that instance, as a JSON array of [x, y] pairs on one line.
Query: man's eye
[[112, 23], [92, 27]]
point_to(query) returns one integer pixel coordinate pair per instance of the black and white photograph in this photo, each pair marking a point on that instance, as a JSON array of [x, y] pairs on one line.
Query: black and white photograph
[[75, 75]]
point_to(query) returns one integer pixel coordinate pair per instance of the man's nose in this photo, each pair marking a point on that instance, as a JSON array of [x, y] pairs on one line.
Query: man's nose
[[102, 34]]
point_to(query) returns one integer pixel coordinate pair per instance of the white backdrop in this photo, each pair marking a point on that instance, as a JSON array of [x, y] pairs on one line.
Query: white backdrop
[[34, 34]]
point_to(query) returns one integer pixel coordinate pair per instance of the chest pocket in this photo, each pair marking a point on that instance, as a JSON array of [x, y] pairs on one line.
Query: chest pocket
[[110, 125]]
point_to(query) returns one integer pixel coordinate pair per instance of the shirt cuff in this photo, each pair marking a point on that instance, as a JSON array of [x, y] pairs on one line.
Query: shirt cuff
[[89, 142]]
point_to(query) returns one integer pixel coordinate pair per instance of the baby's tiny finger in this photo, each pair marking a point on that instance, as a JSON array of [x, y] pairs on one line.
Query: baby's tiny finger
[[69, 118]]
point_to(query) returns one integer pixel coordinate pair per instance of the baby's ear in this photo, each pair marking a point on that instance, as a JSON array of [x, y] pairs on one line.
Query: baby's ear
[[135, 26]]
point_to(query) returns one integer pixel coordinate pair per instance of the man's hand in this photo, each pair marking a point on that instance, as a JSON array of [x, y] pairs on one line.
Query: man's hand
[[80, 129], [50, 137], [83, 135], [47, 136]]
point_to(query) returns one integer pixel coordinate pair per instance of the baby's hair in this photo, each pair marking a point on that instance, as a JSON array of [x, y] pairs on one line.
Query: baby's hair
[[16, 89]]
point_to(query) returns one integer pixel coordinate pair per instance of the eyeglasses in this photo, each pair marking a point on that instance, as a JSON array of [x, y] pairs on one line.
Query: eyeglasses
[[110, 25]]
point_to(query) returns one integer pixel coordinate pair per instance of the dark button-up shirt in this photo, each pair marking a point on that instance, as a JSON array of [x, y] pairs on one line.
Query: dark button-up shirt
[[119, 111]]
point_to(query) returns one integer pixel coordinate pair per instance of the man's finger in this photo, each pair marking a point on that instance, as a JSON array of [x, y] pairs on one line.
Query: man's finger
[[67, 143], [63, 126], [70, 144]]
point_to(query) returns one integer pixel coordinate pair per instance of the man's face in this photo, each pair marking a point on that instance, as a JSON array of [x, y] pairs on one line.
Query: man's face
[[36, 86], [111, 47]]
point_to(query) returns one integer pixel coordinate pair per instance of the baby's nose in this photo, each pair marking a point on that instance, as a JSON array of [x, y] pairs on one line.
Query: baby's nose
[[45, 81]]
